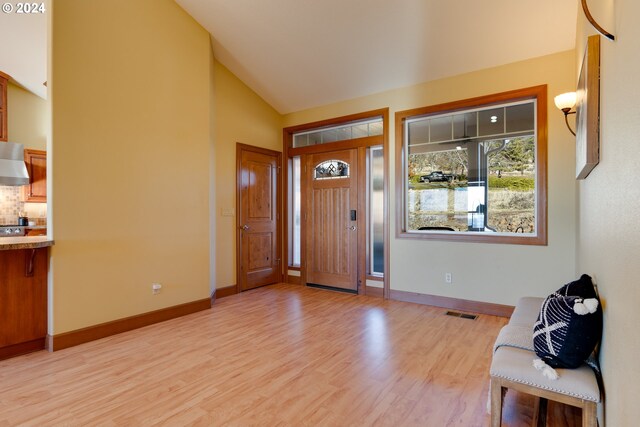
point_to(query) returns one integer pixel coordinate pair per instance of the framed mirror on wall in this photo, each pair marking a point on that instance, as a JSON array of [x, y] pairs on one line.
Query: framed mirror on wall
[[588, 110]]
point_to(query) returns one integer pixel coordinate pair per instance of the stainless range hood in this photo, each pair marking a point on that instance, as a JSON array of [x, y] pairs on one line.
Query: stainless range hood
[[12, 168]]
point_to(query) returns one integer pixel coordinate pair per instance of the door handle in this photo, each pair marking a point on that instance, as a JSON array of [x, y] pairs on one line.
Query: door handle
[[244, 227], [352, 228]]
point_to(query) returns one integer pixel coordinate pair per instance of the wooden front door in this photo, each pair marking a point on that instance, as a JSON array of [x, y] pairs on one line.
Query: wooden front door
[[331, 224], [258, 217]]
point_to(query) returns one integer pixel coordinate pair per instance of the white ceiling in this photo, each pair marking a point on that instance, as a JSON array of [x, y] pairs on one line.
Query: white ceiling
[[23, 48], [298, 54]]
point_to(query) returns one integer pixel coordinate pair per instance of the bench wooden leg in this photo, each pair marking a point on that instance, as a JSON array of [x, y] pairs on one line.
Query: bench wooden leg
[[500, 385], [496, 402], [589, 415], [539, 412]]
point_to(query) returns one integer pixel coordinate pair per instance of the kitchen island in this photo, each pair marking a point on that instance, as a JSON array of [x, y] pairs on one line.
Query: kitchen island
[[34, 242], [23, 294]]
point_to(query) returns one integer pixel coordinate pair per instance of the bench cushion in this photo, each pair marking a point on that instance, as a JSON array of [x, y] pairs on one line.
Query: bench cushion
[[516, 365], [526, 311]]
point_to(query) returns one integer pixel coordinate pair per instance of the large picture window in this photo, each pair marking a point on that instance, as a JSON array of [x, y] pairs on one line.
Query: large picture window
[[474, 170]]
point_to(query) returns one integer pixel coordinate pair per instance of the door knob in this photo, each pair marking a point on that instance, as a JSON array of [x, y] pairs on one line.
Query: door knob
[[352, 228], [245, 227]]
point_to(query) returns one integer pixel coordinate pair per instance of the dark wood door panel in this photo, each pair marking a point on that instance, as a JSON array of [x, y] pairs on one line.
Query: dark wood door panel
[[260, 190], [260, 250], [331, 234], [258, 218], [330, 231]]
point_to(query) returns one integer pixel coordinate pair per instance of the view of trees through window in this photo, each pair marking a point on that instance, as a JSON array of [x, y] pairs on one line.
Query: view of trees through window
[[477, 186]]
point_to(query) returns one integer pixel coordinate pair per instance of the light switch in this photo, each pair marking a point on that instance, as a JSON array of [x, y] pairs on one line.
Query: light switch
[[228, 212]]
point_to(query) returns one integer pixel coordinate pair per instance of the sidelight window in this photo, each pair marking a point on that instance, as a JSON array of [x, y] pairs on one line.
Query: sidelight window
[[376, 211], [295, 196]]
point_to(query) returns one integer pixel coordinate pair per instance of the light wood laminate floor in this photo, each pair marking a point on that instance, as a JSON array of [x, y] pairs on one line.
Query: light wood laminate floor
[[283, 355]]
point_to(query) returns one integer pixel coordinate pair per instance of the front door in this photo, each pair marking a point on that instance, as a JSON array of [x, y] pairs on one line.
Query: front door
[[258, 219], [332, 218]]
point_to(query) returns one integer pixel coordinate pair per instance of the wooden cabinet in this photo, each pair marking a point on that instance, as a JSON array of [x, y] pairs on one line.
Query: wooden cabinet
[[35, 231], [36, 161], [4, 81], [23, 301]]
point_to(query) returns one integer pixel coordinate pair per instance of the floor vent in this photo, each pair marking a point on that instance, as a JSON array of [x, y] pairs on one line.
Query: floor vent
[[462, 315]]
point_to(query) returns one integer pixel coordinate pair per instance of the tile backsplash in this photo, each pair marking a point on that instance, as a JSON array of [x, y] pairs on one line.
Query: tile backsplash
[[11, 204]]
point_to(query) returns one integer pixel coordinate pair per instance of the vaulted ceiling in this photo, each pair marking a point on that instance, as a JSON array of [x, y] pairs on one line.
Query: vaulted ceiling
[[298, 54], [23, 48]]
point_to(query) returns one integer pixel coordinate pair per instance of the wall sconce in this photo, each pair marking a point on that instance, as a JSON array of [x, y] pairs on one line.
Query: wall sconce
[[565, 102], [593, 22]]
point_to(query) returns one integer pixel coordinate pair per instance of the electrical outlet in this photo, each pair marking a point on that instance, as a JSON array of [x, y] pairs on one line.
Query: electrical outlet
[[447, 277], [155, 288]]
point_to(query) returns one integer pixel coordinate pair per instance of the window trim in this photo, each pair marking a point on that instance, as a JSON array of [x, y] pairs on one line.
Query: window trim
[[535, 92]]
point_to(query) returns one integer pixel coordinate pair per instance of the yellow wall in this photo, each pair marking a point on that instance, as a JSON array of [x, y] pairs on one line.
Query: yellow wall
[[28, 124], [609, 202], [27, 118], [240, 116], [129, 86], [484, 272]]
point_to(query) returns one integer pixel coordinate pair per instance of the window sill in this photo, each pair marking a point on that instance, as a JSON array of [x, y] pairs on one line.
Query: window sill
[[539, 240]]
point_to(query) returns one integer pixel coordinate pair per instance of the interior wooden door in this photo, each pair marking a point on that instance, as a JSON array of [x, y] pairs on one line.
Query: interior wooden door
[[258, 217], [332, 218]]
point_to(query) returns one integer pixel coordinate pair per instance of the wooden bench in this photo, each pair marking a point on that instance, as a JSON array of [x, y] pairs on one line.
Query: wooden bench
[[512, 368]]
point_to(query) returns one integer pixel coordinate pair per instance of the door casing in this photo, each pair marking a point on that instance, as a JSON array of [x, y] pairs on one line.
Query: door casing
[[362, 144]]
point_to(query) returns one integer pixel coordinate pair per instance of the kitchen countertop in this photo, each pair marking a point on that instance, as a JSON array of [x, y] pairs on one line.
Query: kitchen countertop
[[32, 242]]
